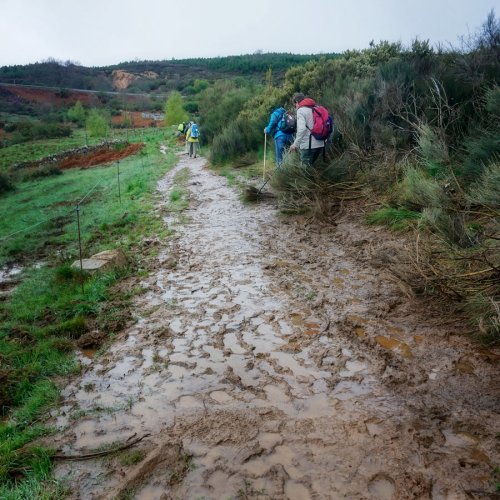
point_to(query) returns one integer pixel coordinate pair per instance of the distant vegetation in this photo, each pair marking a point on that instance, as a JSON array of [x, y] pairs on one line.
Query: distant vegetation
[[172, 74]]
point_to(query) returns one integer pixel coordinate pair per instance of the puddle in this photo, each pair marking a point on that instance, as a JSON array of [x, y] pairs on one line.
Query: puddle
[[360, 332], [150, 492], [382, 488], [459, 439], [465, 367], [296, 491], [394, 345], [89, 353], [357, 319]]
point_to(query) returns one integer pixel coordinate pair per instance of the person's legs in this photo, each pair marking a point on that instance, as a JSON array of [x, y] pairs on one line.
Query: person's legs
[[279, 145], [309, 156], [191, 149], [195, 148]]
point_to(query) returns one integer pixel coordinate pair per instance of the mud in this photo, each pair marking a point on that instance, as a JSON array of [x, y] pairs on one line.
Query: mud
[[272, 359], [9, 279]]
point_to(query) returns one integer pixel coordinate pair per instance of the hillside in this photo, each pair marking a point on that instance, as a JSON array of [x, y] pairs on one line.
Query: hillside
[[152, 75]]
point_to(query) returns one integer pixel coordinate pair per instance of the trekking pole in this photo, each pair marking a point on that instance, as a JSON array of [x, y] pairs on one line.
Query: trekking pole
[[278, 167], [265, 147]]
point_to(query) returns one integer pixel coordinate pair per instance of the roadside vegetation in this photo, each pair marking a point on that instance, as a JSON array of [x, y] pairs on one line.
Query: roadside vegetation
[[417, 130], [54, 304]]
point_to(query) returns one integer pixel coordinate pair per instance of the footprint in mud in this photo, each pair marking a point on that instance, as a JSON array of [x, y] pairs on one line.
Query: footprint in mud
[[381, 487]]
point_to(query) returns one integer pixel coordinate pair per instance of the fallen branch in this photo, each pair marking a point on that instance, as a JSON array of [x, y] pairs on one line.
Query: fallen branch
[[97, 454]]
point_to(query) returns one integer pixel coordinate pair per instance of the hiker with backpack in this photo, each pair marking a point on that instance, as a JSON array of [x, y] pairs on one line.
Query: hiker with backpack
[[193, 138], [314, 127], [281, 126]]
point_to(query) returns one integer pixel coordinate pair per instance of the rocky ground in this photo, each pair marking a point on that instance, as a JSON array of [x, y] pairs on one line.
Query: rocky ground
[[274, 358]]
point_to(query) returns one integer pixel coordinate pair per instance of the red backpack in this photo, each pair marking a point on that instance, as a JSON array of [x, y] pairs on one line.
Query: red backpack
[[323, 123]]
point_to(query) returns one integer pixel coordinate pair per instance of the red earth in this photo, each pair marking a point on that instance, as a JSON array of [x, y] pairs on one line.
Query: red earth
[[69, 97], [103, 155], [138, 120]]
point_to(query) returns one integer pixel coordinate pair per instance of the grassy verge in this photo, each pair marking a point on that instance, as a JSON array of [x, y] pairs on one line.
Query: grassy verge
[[48, 311], [42, 213]]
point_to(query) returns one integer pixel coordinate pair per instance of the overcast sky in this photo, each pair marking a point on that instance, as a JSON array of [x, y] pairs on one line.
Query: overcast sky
[[104, 32]]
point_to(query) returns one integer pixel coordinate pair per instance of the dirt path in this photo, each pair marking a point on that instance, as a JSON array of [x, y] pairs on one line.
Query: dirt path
[[276, 361]]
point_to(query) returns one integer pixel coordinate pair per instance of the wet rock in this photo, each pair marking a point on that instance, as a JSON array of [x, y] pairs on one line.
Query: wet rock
[[103, 261]]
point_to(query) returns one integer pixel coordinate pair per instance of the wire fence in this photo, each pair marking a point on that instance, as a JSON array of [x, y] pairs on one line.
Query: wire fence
[[103, 185]]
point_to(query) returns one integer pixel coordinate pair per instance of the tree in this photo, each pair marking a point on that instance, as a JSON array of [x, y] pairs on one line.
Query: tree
[[174, 110], [97, 123], [77, 114]]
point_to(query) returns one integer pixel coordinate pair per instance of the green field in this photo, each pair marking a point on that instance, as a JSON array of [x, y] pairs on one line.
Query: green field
[[54, 304]]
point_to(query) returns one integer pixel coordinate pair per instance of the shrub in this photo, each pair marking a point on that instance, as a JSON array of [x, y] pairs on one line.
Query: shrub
[[97, 123], [174, 111], [486, 191], [433, 150], [484, 312], [452, 226], [235, 140], [417, 191], [42, 171]]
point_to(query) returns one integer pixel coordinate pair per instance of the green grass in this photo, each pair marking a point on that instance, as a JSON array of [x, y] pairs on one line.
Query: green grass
[[179, 194], [397, 219], [132, 457], [49, 309], [42, 214]]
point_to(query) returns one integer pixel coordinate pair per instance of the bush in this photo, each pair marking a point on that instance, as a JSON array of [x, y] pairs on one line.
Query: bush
[[417, 191], [235, 140], [486, 191], [47, 170], [433, 150]]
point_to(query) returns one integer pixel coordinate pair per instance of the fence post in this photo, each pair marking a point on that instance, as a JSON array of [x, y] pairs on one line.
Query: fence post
[[119, 190], [80, 244]]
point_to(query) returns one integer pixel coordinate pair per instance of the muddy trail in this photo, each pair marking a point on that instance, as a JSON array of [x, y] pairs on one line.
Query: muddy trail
[[272, 358]]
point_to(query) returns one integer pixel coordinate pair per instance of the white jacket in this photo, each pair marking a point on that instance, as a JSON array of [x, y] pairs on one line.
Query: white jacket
[[305, 122]]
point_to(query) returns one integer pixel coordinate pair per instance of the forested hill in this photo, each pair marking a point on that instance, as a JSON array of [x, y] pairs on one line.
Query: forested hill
[[154, 75]]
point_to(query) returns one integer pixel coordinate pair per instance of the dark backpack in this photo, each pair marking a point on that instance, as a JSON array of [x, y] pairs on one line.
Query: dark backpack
[[323, 123], [287, 123]]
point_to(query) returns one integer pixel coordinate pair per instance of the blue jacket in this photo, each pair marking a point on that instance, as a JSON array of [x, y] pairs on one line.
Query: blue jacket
[[273, 124]]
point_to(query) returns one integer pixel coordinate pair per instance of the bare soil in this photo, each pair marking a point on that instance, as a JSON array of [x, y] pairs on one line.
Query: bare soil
[[137, 119], [274, 358], [101, 156]]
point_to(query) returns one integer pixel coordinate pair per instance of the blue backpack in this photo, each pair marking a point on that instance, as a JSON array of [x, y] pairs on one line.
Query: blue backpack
[[195, 131]]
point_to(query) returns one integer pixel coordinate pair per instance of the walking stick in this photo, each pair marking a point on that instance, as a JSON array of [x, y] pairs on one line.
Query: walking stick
[[265, 146]]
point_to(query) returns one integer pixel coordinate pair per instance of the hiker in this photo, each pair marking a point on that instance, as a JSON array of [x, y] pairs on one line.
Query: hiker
[[192, 137], [180, 130], [281, 130], [309, 147], [187, 126]]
